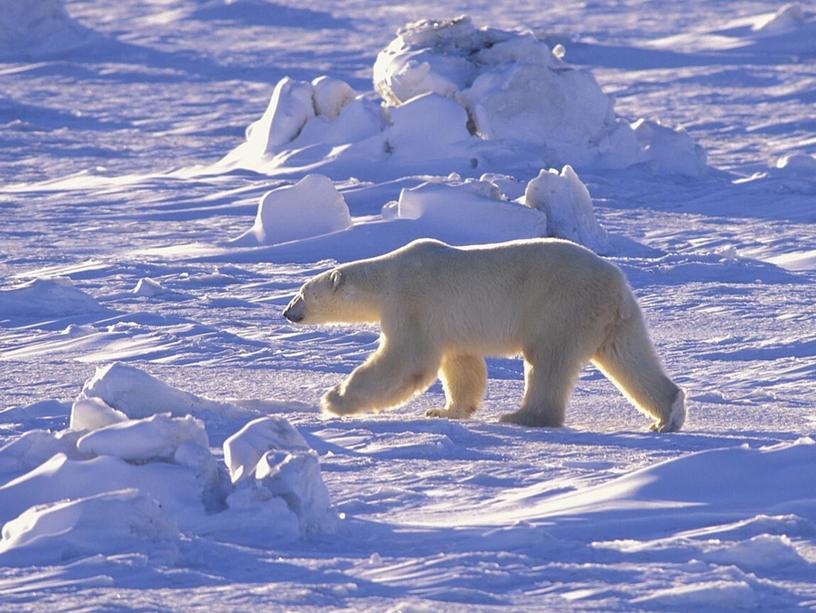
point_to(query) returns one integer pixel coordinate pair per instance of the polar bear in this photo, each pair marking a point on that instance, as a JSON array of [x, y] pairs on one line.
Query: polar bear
[[442, 309]]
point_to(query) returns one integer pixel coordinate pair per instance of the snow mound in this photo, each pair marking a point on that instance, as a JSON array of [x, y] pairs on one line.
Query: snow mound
[[123, 485], [761, 552], [244, 449], [722, 595], [46, 298], [796, 165], [140, 440], [667, 149], [148, 287], [283, 466], [302, 114], [34, 447], [714, 480], [454, 98], [119, 390], [510, 84], [310, 207], [113, 522], [466, 212], [38, 27], [566, 202], [788, 18]]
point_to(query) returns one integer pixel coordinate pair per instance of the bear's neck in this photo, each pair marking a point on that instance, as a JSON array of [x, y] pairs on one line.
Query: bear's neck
[[370, 281]]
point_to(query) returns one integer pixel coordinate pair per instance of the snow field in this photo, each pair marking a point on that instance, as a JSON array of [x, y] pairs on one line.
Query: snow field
[[120, 494]]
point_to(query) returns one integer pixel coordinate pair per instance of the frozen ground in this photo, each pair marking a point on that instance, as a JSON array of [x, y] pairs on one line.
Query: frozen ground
[[107, 255]]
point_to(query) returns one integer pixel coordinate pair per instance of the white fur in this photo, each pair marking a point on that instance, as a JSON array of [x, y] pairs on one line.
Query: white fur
[[442, 309]]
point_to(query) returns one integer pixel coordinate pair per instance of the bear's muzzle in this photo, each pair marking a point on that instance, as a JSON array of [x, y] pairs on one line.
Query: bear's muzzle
[[295, 310]]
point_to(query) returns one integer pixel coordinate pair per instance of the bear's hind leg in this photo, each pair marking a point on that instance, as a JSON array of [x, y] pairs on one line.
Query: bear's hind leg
[[389, 377], [464, 378], [549, 378], [629, 360]]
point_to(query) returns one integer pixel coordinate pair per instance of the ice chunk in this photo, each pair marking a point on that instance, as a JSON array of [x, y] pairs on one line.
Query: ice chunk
[[464, 216], [296, 478], [797, 164], [290, 107], [180, 490], [425, 121], [310, 207], [511, 84], [244, 449], [90, 413], [46, 298], [34, 447], [122, 521], [567, 204], [331, 95], [669, 149], [148, 287], [155, 437], [268, 458], [137, 394]]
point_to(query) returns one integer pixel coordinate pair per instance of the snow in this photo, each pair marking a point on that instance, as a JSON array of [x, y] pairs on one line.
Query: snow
[[441, 208], [38, 28], [127, 521], [455, 93], [42, 298], [566, 202], [125, 486], [136, 394], [194, 469], [244, 449], [148, 287], [310, 207], [140, 440]]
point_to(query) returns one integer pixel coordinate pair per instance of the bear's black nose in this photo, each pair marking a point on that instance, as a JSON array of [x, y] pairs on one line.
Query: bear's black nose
[[288, 314]]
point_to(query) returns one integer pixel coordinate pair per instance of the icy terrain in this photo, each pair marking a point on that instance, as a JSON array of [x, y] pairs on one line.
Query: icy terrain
[[173, 172]]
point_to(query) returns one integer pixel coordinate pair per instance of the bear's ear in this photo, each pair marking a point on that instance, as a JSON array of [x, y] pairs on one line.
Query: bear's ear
[[336, 278]]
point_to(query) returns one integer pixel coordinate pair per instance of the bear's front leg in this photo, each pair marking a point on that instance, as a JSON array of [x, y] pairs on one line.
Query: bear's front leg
[[390, 376], [464, 379], [337, 403]]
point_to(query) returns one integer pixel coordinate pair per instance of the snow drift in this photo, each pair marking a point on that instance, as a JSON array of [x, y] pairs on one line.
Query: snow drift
[[37, 28], [457, 97], [310, 207], [566, 202], [451, 209], [136, 474], [46, 298]]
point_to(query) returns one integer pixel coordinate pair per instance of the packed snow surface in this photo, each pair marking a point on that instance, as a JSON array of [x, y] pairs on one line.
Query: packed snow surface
[[193, 470]]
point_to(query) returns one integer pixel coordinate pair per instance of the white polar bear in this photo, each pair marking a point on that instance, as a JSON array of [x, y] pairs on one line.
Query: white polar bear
[[442, 309]]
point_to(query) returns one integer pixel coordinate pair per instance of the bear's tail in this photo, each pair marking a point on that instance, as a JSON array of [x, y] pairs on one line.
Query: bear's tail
[[628, 358]]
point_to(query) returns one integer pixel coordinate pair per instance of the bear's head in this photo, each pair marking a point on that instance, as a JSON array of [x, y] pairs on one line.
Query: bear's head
[[331, 297]]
